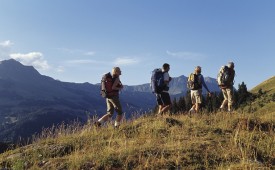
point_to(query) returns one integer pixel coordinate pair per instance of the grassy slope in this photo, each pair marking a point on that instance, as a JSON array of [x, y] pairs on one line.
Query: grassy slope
[[217, 141], [268, 86], [264, 103]]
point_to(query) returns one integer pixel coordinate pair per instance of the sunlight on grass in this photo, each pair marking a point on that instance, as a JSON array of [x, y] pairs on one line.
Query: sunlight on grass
[[215, 141]]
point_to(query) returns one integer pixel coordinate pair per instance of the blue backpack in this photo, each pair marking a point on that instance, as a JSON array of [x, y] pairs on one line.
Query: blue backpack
[[157, 81]]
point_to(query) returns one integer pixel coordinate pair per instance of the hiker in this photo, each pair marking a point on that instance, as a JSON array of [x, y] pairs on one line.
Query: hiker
[[112, 99], [195, 84], [227, 88], [163, 97]]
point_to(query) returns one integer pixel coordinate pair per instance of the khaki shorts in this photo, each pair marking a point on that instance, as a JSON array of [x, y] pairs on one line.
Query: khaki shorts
[[228, 95], [196, 96], [113, 104]]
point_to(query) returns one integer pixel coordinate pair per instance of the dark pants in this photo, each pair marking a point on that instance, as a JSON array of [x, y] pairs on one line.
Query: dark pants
[[163, 99]]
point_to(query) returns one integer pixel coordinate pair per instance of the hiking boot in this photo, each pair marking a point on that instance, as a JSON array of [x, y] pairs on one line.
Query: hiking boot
[[97, 124]]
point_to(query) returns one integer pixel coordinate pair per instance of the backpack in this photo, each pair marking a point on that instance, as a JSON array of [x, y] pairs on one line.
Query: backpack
[[194, 82], [157, 81], [107, 82], [223, 76]]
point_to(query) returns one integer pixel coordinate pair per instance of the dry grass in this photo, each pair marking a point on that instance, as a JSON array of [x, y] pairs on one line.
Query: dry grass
[[217, 141]]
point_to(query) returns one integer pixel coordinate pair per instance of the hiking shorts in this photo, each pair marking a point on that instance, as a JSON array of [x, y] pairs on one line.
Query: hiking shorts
[[228, 95], [113, 104], [163, 99], [196, 96]]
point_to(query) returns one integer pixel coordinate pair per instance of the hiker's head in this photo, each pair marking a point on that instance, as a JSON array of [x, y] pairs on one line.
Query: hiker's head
[[198, 70], [230, 64], [166, 67], [116, 71]]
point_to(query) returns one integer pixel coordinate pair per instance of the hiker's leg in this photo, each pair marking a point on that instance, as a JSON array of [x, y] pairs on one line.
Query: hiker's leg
[[160, 109], [225, 100], [166, 102], [119, 117], [159, 102], [224, 104], [198, 98], [197, 107], [193, 108], [110, 112], [166, 108], [193, 100], [118, 109], [118, 120], [230, 99], [104, 118]]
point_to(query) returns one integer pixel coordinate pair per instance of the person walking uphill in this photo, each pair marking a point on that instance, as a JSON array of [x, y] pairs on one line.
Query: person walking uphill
[[160, 86], [110, 87], [195, 83], [226, 82]]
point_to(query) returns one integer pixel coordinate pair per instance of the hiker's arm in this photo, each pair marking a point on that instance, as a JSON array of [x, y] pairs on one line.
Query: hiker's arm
[[167, 79], [166, 82], [117, 85]]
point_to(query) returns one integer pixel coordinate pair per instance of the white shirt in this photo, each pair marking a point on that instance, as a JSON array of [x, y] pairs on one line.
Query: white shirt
[[166, 77]]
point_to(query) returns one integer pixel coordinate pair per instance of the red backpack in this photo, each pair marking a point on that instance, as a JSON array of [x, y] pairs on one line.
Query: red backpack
[[107, 82]]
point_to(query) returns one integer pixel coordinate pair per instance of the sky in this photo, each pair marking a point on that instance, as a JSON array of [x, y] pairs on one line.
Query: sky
[[79, 41]]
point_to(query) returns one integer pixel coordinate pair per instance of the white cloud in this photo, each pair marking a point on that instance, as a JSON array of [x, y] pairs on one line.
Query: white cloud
[[35, 59], [125, 61], [186, 55], [77, 51], [68, 50], [6, 43], [82, 62], [90, 53], [60, 69]]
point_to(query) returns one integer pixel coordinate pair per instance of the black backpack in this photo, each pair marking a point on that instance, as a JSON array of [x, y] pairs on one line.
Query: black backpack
[[157, 81], [194, 82]]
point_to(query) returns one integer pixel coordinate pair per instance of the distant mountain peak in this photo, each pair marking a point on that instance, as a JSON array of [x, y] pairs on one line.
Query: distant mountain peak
[[13, 69], [10, 62]]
